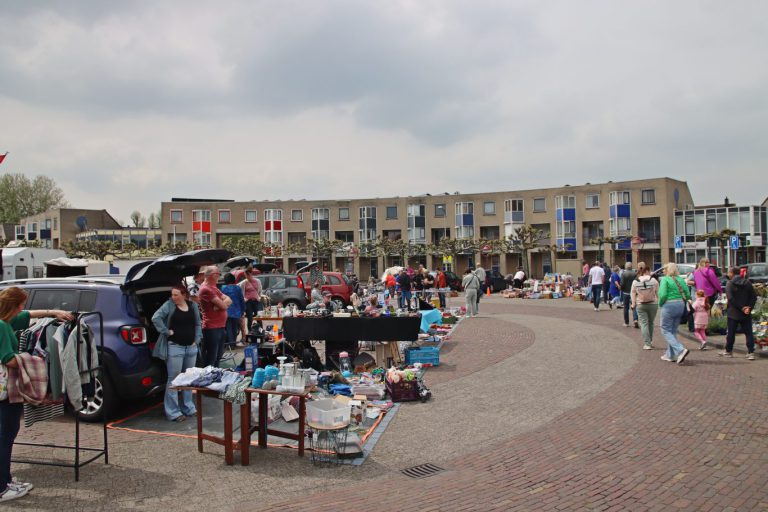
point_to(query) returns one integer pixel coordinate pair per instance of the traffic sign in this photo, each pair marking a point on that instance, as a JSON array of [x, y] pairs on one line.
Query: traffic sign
[[734, 243], [678, 242]]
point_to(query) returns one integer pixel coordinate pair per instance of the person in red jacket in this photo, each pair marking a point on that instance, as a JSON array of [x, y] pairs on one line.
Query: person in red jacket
[[440, 283]]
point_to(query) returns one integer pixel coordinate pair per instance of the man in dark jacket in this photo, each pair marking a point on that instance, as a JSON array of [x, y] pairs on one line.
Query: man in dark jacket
[[741, 300], [625, 284]]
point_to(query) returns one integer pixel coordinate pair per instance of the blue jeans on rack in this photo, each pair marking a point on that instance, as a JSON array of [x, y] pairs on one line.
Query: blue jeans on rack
[[180, 357], [10, 422]]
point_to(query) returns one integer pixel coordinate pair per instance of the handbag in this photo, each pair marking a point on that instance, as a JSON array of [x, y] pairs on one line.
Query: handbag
[[3, 382], [688, 309]]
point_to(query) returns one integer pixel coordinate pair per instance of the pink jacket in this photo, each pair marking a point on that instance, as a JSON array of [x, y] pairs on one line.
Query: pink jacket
[[700, 313]]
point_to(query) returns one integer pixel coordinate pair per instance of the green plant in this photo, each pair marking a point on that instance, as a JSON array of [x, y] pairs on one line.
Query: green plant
[[717, 325]]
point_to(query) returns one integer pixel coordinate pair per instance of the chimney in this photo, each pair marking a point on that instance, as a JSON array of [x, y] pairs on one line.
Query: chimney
[[726, 200]]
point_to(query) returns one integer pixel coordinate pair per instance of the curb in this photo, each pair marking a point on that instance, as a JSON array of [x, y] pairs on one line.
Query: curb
[[739, 348]]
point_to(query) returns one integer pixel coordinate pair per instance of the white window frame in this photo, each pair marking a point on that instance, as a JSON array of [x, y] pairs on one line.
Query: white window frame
[[301, 215], [254, 213], [201, 215], [485, 207], [539, 199], [595, 201], [344, 208], [619, 195]]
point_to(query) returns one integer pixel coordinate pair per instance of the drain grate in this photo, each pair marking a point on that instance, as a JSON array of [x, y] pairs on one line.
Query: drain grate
[[422, 471]]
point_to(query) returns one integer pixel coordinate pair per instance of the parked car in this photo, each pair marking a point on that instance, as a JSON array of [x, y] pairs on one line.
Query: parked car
[[756, 272], [453, 281], [284, 288], [339, 286], [126, 304], [495, 280]]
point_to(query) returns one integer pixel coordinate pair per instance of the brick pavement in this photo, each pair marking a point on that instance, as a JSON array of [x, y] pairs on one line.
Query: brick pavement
[[648, 436]]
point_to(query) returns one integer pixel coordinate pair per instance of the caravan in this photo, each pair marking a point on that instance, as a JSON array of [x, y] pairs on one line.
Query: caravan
[[26, 262]]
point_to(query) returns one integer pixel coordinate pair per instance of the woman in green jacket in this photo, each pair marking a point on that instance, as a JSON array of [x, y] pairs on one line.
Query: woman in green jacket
[[673, 296]]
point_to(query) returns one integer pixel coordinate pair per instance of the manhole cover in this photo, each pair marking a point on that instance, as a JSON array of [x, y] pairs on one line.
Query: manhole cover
[[422, 471]]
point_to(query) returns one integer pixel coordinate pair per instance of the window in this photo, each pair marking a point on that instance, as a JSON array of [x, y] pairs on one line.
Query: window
[[465, 220], [621, 197], [177, 217], [648, 196], [440, 210], [202, 239], [513, 211], [20, 232], [593, 201], [273, 226], [251, 216], [489, 208], [539, 204], [566, 229], [201, 215], [225, 216], [565, 202], [417, 232], [343, 213], [297, 215], [391, 212], [55, 223], [367, 223], [321, 229], [345, 236]]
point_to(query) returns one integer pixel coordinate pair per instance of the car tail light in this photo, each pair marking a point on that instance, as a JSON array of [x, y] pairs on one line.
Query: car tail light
[[146, 382], [300, 282], [133, 334]]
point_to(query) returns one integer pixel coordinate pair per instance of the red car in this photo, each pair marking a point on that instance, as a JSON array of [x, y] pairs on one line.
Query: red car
[[335, 282]]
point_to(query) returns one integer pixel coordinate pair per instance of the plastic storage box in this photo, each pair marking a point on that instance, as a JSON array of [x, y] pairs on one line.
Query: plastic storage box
[[427, 356], [328, 413]]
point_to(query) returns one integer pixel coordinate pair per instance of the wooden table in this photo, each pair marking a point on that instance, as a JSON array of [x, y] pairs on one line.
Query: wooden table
[[243, 444], [246, 429], [262, 426]]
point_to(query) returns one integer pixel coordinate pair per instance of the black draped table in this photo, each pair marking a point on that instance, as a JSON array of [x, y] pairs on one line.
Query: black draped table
[[334, 329]]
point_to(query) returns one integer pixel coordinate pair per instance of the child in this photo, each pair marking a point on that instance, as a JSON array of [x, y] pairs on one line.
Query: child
[[701, 318]]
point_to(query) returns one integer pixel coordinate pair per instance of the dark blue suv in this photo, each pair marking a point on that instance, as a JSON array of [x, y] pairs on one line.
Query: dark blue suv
[[127, 304]]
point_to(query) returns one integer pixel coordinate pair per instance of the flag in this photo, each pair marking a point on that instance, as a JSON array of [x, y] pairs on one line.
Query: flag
[[2, 157]]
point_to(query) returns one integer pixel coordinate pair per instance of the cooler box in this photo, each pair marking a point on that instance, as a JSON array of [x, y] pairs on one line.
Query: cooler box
[[428, 356]]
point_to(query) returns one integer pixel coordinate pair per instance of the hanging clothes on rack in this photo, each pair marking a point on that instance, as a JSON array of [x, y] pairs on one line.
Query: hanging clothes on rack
[[77, 372], [37, 341]]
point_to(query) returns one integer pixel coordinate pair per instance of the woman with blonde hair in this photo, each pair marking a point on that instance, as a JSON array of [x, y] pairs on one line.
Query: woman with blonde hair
[[13, 317], [673, 296]]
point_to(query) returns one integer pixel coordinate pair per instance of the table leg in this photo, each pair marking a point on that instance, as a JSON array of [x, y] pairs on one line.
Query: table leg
[[245, 431], [228, 432], [199, 405], [302, 418], [263, 410]]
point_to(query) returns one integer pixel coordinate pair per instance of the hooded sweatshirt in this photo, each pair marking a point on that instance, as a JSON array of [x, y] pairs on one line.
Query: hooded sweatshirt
[[740, 294], [700, 313]]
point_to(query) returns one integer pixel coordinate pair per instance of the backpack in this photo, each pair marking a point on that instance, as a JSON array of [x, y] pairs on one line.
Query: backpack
[[645, 294]]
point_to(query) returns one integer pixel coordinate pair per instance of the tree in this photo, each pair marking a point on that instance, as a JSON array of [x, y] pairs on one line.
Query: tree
[[247, 245], [525, 239], [98, 249], [153, 221], [611, 241], [21, 197], [137, 219], [324, 248]]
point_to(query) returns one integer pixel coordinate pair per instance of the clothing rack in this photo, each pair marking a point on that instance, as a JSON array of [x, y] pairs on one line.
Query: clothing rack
[[95, 452]]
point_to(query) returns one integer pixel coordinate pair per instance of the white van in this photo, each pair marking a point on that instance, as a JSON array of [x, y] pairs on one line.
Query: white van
[[27, 262]]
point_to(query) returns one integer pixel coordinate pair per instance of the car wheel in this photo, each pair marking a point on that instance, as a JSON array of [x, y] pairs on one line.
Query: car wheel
[[340, 303], [102, 403], [288, 303]]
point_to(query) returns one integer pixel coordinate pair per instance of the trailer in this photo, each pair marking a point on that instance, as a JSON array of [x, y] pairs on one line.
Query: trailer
[[26, 262]]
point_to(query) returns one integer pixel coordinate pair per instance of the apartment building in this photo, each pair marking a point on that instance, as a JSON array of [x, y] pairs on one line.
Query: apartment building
[[579, 220]]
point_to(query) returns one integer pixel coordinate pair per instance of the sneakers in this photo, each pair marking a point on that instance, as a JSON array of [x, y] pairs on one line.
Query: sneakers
[[18, 483], [682, 356], [12, 493], [637, 326], [751, 356], [626, 325], [647, 347], [597, 309], [610, 305], [725, 354], [667, 359], [703, 345]]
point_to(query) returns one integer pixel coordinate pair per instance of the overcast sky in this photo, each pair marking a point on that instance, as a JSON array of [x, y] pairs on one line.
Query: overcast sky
[[127, 104]]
